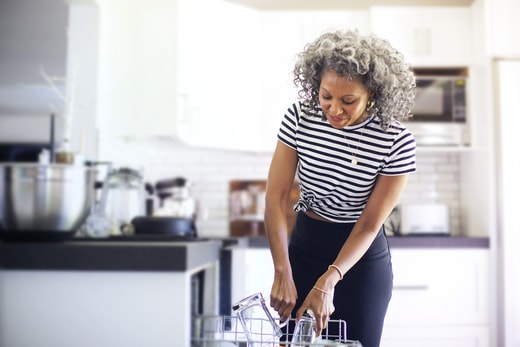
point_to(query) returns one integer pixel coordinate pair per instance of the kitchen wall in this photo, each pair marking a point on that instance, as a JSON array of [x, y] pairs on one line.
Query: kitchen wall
[[211, 171]]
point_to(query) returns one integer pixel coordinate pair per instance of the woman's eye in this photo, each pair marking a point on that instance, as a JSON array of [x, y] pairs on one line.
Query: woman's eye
[[348, 102]]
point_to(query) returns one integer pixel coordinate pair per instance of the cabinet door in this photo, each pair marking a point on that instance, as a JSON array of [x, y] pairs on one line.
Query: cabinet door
[[137, 67], [439, 287], [504, 26], [218, 74], [459, 336], [427, 36], [253, 272]]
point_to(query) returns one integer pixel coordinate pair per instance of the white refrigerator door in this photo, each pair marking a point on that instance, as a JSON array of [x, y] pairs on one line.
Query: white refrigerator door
[[508, 169]]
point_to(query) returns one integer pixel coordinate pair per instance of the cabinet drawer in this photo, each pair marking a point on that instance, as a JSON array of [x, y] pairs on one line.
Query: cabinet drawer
[[439, 287]]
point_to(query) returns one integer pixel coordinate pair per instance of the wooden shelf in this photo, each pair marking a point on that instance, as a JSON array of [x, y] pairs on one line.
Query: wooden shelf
[[250, 221]]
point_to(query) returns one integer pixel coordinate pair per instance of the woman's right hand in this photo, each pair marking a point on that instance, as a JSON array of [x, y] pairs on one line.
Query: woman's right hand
[[283, 295]]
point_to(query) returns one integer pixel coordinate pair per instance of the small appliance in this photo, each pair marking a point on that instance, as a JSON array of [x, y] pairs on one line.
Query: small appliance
[[440, 114], [424, 219]]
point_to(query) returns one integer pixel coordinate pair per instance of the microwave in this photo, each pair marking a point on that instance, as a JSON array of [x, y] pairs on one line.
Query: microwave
[[440, 113]]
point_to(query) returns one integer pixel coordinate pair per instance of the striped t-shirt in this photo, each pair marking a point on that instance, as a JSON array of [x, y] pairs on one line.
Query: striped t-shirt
[[330, 184]]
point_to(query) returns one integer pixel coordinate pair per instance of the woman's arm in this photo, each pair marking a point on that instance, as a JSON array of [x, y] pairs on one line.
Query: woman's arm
[[381, 202], [279, 183]]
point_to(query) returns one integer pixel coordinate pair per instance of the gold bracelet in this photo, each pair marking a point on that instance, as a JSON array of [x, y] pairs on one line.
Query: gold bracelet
[[320, 290], [335, 267]]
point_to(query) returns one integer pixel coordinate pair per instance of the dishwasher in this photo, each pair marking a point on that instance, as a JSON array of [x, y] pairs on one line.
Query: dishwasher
[[227, 331]]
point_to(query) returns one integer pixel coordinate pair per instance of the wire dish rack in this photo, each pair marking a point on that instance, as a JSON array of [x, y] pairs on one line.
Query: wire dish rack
[[227, 331]]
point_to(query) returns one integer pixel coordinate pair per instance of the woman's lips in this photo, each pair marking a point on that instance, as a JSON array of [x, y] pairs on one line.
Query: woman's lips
[[336, 119]]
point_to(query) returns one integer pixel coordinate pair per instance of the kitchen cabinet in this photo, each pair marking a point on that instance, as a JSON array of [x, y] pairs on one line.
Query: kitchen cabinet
[[427, 36], [283, 35], [137, 85], [105, 293], [179, 69], [235, 85], [503, 27], [440, 296], [218, 75], [253, 272]]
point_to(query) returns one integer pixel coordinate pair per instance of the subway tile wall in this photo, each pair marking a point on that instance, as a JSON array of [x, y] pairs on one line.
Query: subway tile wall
[[211, 170]]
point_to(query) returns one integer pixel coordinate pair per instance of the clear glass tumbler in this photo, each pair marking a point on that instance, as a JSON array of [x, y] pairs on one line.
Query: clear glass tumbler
[[259, 325], [304, 332]]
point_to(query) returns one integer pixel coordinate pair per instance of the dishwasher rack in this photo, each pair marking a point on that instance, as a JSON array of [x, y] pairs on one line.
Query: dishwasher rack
[[226, 331]]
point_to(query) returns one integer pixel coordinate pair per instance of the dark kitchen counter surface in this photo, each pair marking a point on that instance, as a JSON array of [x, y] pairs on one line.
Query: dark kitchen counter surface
[[412, 242], [109, 255]]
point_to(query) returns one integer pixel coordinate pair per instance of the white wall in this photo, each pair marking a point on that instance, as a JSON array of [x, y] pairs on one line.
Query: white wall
[[212, 170]]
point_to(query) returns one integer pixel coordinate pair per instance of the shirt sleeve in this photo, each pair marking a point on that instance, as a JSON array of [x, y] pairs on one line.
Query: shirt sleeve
[[289, 126], [401, 158]]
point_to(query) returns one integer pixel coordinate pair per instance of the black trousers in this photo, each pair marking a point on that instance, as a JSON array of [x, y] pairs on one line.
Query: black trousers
[[361, 298]]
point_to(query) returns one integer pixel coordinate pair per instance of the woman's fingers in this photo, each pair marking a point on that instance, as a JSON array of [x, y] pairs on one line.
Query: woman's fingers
[[283, 299]]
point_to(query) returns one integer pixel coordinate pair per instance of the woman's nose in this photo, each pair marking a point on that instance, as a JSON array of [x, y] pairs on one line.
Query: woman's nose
[[335, 108]]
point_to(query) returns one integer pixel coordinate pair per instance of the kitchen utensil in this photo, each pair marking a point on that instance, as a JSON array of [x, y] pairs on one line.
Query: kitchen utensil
[[44, 201], [52, 139], [124, 189], [164, 225], [149, 202], [259, 325], [304, 332], [98, 224], [175, 198]]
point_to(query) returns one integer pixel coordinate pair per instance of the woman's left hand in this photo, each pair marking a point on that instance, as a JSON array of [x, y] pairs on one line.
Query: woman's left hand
[[320, 303]]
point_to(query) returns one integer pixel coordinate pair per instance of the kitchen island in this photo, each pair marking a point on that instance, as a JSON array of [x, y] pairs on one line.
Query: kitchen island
[[105, 293]]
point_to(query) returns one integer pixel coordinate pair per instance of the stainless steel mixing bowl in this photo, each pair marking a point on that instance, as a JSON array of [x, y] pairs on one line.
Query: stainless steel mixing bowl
[[53, 198]]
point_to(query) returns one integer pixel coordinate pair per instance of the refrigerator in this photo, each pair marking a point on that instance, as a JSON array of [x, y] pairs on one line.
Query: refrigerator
[[507, 151]]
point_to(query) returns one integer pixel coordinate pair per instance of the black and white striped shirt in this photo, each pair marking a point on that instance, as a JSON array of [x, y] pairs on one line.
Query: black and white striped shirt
[[330, 184]]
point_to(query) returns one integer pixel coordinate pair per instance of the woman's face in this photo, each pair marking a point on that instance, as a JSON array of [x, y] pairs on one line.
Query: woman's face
[[343, 101]]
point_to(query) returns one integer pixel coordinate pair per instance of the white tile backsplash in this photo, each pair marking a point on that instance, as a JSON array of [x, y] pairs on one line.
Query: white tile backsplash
[[437, 178]]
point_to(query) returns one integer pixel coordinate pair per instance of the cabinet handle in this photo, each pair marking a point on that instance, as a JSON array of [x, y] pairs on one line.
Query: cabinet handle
[[411, 287], [183, 108]]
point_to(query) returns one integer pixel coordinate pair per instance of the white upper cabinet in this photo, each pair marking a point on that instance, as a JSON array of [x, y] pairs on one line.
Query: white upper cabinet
[[184, 69], [137, 67], [283, 34], [219, 103], [427, 36], [504, 28], [235, 79]]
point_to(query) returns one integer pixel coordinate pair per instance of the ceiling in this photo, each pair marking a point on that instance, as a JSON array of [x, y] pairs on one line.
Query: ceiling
[[343, 4]]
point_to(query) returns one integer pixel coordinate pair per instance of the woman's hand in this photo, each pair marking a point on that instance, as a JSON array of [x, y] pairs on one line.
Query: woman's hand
[[283, 295], [319, 301]]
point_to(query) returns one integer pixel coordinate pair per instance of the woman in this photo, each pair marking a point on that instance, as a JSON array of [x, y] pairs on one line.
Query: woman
[[352, 158]]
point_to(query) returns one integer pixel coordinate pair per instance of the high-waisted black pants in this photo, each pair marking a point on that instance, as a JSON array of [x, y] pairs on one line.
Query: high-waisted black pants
[[361, 298]]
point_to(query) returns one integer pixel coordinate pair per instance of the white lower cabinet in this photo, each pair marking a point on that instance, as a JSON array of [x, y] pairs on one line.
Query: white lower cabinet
[[445, 336], [440, 297], [253, 272]]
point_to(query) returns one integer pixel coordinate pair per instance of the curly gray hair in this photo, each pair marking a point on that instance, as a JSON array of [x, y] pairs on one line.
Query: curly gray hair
[[372, 60]]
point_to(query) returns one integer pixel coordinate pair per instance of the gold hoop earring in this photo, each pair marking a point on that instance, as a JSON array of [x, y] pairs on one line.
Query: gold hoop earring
[[370, 104]]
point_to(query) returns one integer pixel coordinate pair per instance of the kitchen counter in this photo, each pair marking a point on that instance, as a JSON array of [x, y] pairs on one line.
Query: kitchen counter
[[411, 242], [104, 255], [105, 293]]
